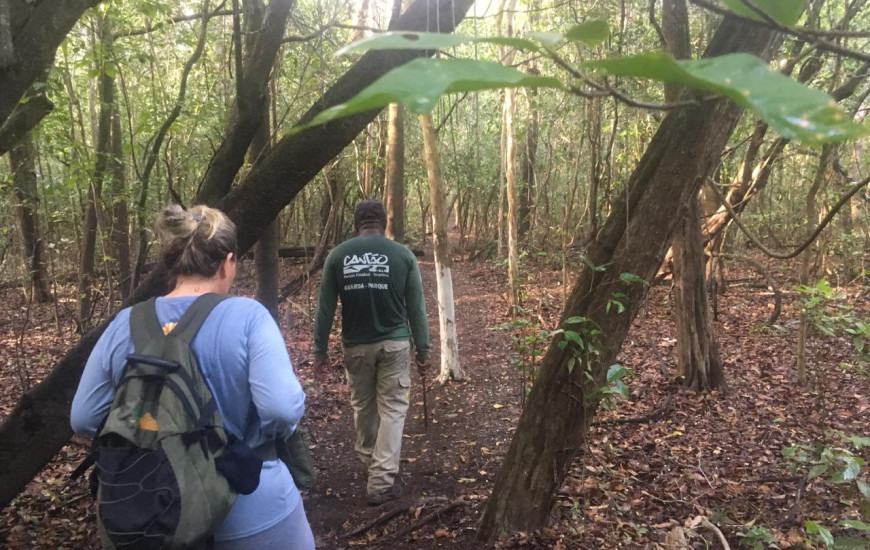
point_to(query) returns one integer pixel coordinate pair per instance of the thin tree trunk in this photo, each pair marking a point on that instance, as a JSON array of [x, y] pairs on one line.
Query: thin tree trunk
[[811, 214], [91, 206], [250, 106], [450, 366], [22, 157], [120, 211], [157, 143], [394, 184], [552, 430]]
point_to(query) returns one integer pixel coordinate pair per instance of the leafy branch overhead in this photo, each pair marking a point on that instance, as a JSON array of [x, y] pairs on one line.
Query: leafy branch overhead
[[794, 110]]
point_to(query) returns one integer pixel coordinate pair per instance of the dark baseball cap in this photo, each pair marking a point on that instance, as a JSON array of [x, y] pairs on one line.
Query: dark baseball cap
[[369, 210]]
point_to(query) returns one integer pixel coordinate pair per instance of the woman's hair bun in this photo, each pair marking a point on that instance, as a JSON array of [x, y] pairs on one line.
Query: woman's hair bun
[[195, 241]]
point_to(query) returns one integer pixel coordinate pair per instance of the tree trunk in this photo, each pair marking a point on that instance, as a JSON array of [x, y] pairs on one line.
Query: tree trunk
[[697, 349], [510, 176], [530, 158], [509, 153], [552, 428], [394, 183], [450, 366], [38, 427], [22, 158], [250, 106], [811, 214], [120, 211], [92, 202]]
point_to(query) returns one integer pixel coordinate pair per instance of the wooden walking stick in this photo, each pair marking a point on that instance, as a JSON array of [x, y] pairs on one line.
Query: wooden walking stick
[[425, 405]]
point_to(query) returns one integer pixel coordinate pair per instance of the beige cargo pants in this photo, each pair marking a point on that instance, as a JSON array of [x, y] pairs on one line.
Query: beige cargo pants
[[379, 376]]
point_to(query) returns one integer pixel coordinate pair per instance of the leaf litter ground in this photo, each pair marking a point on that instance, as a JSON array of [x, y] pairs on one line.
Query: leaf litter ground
[[711, 454]]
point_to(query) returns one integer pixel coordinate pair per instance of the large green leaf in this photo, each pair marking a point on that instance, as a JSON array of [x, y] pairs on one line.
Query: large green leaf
[[429, 41], [792, 109], [784, 12], [591, 32], [419, 83]]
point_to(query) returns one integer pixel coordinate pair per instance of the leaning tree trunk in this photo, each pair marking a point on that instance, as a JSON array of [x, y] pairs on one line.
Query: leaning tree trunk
[[39, 427], [38, 28], [552, 429], [22, 158], [450, 366]]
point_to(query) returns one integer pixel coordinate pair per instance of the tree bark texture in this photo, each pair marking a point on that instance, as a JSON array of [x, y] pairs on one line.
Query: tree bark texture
[[552, 429], [120, 231], [697, 350], [38, 427], [394, 183], [510, 176], [92, 203], [37, 28], [530, 159], [22, 157], [450, 365], [811, 213], [23, 119], [250, 106]]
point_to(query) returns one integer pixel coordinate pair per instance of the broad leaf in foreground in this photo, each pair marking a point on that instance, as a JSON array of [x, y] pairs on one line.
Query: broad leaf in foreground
[[418, 85], [784, 12], [792, 109], [429, 41]]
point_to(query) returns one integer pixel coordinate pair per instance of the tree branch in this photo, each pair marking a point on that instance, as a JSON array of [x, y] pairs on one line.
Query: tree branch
[[24, 118], [787, 256]]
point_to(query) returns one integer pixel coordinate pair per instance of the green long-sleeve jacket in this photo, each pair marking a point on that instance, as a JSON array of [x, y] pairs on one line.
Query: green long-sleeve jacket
[[381, 293]]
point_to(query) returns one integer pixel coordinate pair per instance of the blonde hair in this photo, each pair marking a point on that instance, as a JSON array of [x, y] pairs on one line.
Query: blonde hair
[[195, 241]]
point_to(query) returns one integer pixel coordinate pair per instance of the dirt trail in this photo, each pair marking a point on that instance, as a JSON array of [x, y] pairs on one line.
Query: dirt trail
[[470, 425]]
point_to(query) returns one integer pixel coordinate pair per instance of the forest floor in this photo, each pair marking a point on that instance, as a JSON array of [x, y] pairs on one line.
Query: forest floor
[[654, 462]]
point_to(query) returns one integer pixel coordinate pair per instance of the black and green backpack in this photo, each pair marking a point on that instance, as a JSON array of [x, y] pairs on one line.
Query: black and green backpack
[[167, 470]]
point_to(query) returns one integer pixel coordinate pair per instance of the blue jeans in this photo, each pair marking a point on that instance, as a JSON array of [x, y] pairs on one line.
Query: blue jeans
[[291, 533]]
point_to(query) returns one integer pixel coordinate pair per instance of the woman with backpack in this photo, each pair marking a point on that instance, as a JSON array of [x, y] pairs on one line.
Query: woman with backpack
[[242, 358]]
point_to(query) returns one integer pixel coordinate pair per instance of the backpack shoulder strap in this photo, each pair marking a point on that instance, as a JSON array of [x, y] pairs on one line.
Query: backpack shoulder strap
[[144, 325], [195, 316]]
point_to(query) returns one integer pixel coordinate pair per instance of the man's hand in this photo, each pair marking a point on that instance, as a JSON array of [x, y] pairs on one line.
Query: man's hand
[[422, 365]]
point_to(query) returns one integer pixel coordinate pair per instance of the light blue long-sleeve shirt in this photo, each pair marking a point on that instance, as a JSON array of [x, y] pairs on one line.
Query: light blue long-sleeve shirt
[[242, 355]]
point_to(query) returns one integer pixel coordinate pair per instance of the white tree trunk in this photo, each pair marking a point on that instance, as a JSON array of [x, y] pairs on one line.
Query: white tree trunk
[[450, 367]]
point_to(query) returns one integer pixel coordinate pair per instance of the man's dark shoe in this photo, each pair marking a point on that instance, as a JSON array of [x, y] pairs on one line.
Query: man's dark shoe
[[388, 494]]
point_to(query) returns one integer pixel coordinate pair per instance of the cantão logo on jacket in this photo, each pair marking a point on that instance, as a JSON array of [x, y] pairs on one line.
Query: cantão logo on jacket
[[366, 263]]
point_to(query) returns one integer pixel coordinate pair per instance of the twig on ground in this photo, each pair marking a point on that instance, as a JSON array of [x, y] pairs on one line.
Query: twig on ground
[[795, 509], [705, 523], [654, 415], [380, 520], [426, 519]]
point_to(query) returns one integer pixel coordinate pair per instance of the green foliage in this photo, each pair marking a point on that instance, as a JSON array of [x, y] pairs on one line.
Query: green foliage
[[833, 461], [792, 109], [784, 12], [819, 533], [827, 312], [757, 537], [590, 33], [418, 85]]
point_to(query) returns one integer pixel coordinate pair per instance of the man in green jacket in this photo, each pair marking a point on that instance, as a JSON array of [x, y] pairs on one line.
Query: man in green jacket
[[378, 281]]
